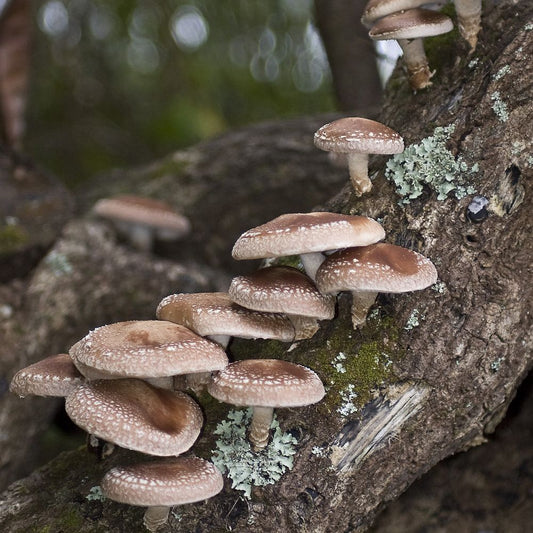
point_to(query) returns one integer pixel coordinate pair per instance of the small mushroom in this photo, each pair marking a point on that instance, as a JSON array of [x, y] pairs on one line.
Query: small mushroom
[[282, 289], [215, 316], [160, 485], [265, 384], [367, 270], [53, 376], [376, 9], [135, 415], [307, 234], [469, 20], [143, 219], [357, 138], [155, 350], [409, 27]]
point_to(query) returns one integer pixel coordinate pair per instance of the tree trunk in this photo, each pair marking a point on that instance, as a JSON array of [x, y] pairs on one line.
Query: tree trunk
[[432, 372]]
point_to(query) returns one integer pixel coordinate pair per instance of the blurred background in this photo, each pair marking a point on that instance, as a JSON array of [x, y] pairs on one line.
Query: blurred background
[[120, 83]]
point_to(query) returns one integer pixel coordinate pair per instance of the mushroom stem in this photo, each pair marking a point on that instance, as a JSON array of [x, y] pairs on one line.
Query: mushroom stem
[[198, 382], [304, 326], [416, 62], [260, 427], [311, 261], [155, 517], [141, 237], [223, 340], [361, 303], [469, 20], [358, 167]]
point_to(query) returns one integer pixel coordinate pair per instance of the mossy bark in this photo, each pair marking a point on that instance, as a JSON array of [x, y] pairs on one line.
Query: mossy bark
[[432, 372]]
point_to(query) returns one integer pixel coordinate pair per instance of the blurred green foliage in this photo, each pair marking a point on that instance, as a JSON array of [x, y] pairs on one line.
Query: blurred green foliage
[[123, 82]]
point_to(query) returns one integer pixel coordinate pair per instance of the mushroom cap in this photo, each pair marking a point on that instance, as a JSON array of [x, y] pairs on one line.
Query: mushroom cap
[[358, 135], [163, 483], [376, 9], [379, 267], [146, 349], [53, 376], [411, 24], [266, 383], [300, 233], [144, 211], [214, 313], [281, 289], [135, 415]]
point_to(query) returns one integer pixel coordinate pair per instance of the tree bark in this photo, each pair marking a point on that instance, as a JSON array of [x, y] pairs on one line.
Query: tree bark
[[434, 371]]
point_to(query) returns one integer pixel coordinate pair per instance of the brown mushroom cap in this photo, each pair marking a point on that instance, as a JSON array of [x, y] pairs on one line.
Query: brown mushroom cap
[[266, 383], [147, 348], [214, 313], [281, 289], [144, 211], [300, 233], [379, 267], [53, 376], [359, 135], [135, 415], [168, 483], [376, 9], [411, 24]]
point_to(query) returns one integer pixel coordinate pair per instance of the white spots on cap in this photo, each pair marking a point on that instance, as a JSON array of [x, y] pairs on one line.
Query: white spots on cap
[[267, 383]]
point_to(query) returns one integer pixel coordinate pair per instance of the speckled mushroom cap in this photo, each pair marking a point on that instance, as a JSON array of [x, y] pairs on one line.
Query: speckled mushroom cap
[[281, 289], [411, 24], [379, 267], [266, 383], [145, 211], [300, 233], [135, 415], [360, 135], [54, 376], [146, 349], [376, 9], [214, 313], [166, 483]]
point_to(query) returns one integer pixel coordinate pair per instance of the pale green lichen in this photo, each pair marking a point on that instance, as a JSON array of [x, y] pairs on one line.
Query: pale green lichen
[[496, 364], [499, 107], [430, 163], [439, 287], [58, 263], [337, 363], [501, 73], [235, 458], [318, 451], [95, 494], [414, 320], [348, 395], [473, 63]]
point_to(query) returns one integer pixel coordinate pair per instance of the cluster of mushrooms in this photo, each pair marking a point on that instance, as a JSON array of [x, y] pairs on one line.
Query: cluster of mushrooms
[[123, 383], [408, 23]]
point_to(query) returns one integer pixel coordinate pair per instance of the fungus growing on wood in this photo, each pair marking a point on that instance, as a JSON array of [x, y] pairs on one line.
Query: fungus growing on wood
[[357, 138], [155, 350], [307, 234], [135, 415], [265, 384], [409, 28], [53, 376], [282, 289], [143, 219], [376, 9], [216, 316], [160, 485], [367, 270]]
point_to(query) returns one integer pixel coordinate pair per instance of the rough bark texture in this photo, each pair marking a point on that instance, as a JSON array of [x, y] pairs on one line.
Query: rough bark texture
[[426, 388]]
